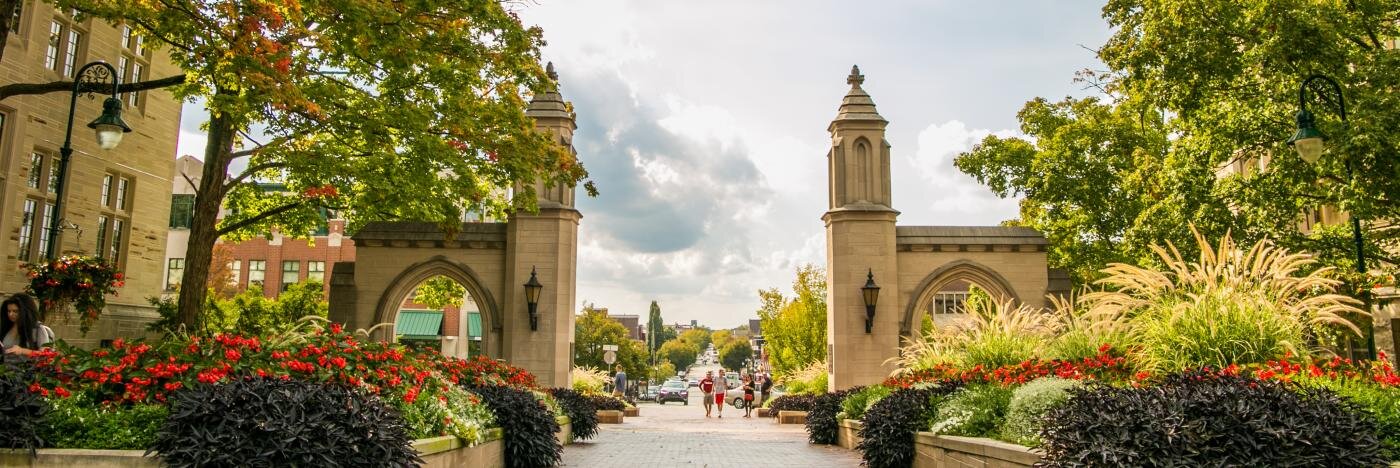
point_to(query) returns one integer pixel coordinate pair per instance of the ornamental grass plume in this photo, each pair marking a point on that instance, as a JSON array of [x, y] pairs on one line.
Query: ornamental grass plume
[[588, 380], [996, 334], [1230, 306], [1084, 331]]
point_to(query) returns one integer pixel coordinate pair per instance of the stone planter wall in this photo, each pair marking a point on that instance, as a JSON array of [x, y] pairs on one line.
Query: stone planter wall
[[935, 451], [848, 433], [609, 417], [437, 452], [566, 431], [632, 412], [792, 417], [761, 412]]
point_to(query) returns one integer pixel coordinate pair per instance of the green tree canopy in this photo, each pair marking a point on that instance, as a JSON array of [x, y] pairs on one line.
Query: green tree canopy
[[733, 354], [439, 292], [697, 336], [794, 330], [379, 109], [593, 329], [1193, 87], [679, 352]]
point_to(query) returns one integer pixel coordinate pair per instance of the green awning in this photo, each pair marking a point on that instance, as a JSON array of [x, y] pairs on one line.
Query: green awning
[[474, 325], [419, 324]]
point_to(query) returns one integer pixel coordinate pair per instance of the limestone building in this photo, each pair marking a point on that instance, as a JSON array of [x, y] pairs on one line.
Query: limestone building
[[115, 203]]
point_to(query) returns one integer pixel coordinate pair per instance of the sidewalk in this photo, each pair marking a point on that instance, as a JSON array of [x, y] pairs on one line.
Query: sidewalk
[[675, 434]]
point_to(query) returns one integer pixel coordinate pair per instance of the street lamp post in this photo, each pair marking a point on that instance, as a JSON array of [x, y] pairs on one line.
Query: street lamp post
[[869, 294], [1308, 141], [532, 299], [109, 127]]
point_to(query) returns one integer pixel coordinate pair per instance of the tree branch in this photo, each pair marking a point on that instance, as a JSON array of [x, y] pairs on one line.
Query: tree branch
[[225, 230], [22, 89], [249, 172]]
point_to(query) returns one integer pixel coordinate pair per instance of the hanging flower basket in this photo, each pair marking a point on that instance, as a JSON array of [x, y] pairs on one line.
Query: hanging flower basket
[[73, 283]]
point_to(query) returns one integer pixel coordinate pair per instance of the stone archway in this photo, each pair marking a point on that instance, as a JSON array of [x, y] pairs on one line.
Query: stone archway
[[948, 274], [401, 286]]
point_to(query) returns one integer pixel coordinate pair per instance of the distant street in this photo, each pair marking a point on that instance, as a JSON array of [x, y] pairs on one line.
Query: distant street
[[677, 434]]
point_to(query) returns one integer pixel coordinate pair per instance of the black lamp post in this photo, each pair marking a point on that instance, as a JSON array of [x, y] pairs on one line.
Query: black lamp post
[[109, 127], [1308, 141], [870, 293], [532, 299]]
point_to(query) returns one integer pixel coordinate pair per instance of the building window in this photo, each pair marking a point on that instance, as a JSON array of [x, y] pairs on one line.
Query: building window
[[45, 224], [55, 38], [15, 21], [127, 34], [113, 220], [117, 250], [36, 170], [181, 211], [291, 273], [134, 98], [122, 185], [316, 271], [174, 272], [70, 53], [107, 190], [949, 302], [236, 269], [26, 229], [257, 270]]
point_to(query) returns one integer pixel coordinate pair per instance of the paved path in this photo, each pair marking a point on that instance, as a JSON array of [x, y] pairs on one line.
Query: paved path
[[679, 435]]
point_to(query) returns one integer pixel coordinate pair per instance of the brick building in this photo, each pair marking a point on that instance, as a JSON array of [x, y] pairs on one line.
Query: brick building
[[114, 200]]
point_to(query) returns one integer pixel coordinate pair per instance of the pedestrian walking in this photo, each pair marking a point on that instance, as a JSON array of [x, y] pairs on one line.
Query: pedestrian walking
[[765, 388], [721, 385], [619, 382], [748, 395], [707, 387]]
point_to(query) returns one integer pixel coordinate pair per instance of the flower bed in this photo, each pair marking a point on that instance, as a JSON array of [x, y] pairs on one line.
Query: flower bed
[[97, 396]]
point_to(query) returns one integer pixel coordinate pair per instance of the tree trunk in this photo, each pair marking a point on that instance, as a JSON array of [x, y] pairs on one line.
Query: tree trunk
[[218, 153], [7, 12]]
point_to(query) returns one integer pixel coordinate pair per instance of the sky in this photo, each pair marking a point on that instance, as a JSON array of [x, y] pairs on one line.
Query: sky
[[704, 126]]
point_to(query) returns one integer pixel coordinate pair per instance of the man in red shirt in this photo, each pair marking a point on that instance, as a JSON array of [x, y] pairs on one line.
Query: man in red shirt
[[707, 385]]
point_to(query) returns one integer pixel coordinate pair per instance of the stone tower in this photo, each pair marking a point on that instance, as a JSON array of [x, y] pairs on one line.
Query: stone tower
[[545, 243], [860, 242]]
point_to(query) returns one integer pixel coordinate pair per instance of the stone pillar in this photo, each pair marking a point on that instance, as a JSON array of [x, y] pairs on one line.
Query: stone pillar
[[546, 243], [860, 241]]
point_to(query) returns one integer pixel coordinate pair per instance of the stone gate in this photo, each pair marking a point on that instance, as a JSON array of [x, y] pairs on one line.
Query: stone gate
[[910, 264], [493, 260]]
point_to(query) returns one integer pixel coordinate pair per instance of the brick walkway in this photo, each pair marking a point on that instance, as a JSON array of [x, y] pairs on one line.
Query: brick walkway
[[679, 435]]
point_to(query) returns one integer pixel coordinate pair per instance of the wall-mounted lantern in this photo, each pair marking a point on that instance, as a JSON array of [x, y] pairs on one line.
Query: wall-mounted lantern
[[870, 293], [532, 299]]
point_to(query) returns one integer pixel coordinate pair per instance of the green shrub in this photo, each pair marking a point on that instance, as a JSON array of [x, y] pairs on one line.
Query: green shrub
[[974, 411], [1028, 406], [78, 423], [1382, 403], [21, 411], [529, 427], [583, 416], [854, 406], [453, 410], [811, 380]]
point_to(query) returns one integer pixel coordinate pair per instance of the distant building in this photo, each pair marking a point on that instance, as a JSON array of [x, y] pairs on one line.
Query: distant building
[[755, 327], [632, 323]]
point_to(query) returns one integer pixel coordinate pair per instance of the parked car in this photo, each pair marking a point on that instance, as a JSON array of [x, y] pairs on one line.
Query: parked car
[[673, 390], [652, 391]]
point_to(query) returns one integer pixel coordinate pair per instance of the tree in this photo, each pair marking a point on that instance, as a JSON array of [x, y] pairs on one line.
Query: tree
[[221, 275], [440, 292], [380, 109], [697, 336], [657, 331], [734, 354], [794, 330], [679, 352], [593, 329], [662, 370], [1192, 87], [249, 312]]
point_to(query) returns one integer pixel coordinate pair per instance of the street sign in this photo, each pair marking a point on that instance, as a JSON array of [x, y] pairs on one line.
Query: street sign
[[610, 347], [610, 357]]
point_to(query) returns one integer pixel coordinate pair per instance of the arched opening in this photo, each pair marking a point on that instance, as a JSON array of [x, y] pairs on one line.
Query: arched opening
[[441, 304], [943, 293]]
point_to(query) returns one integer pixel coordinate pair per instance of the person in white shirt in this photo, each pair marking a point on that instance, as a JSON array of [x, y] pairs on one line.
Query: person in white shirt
[[22, 332], [721, 384]]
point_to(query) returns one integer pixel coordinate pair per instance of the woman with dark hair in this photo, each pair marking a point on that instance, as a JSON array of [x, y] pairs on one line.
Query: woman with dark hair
[[22, 332]]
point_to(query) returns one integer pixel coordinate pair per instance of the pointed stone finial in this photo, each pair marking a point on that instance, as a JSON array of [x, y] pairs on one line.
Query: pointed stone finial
[[856, 79], [549, 71]]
